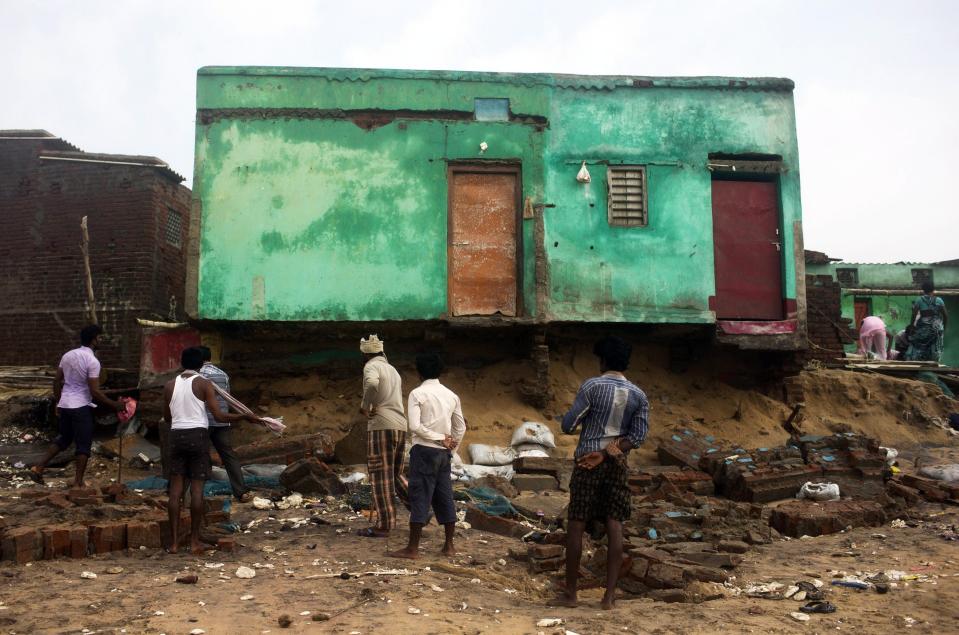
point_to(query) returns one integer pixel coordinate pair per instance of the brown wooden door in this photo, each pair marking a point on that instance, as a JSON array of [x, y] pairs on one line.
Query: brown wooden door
[[862, 309], [748, 250], [483, 249]]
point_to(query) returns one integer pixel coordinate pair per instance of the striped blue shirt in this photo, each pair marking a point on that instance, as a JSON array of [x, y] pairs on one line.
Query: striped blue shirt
[[219, 377], [606, 408]]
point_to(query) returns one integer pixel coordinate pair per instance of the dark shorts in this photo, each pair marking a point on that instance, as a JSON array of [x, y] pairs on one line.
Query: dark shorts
[[76, 426], [190, 453], [600, 493], [430, 485]]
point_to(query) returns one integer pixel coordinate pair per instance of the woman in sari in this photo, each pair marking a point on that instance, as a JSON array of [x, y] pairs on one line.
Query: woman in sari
[[929, 317]]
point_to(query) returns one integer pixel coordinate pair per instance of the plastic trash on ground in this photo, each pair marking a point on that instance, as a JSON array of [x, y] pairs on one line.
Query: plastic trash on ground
[[819, 491], [948, 472]]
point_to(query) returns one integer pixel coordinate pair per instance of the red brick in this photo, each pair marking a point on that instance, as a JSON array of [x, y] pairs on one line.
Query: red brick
[[79, 541], [226, 544], [56, 542], [143, 534], [107, 537], [22, 544], [800, 517]]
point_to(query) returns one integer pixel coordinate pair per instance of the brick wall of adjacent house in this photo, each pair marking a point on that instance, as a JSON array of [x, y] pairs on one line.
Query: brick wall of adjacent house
[[135, 270], [828, 331]]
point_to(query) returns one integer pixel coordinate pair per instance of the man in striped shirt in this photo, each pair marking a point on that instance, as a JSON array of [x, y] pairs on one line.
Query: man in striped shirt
[[612, 415]]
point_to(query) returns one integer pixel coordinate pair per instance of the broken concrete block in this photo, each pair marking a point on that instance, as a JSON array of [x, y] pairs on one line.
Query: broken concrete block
[[667, 595], [546, 551], [481, 521], [535, 482], [661, 575], [692, 572], [544, 565], [733, 546], [286, 450], [310, 476], [708, 559], [518, 553], [562, 469]]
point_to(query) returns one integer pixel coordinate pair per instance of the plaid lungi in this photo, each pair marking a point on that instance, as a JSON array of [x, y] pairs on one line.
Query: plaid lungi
[[385, 453], [600, 493]]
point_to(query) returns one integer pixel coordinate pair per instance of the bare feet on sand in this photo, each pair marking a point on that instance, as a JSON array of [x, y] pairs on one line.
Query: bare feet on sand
[[563, 600], [407, 553]]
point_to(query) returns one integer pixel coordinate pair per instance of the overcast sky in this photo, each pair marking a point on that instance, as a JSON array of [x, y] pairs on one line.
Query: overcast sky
[[876, 82]]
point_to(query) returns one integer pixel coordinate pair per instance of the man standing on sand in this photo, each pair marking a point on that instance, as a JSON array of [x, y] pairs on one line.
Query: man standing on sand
[[220, 433], [612, 414], [186, 400], [437, 426], [76, 387], [386, 435]]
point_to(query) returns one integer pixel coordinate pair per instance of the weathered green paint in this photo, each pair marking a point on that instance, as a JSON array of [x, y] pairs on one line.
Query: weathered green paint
[[308, 216], [896, 310]]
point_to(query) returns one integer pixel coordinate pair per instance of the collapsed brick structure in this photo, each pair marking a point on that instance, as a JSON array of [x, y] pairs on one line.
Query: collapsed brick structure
[[89, 521], [138, 216], [828, 331]]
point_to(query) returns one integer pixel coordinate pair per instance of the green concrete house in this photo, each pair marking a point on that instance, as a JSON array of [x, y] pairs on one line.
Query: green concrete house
[[347, 195], [889, 289]]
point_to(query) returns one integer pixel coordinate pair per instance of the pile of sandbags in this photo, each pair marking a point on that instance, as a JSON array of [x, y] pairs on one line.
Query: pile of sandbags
[[531, 439]]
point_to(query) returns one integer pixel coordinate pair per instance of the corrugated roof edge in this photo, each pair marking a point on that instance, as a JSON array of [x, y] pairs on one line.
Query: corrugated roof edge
[[116, 159], [589, 82], [944, 263]]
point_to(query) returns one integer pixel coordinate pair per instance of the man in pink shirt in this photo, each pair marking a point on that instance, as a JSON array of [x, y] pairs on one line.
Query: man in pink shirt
[[76, 388], [872, 337]]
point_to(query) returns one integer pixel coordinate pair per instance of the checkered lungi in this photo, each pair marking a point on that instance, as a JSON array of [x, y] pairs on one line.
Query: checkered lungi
[[600, 493], [385, 454]]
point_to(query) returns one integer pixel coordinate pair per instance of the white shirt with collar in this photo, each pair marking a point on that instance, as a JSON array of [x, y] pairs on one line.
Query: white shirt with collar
[[435, 412]]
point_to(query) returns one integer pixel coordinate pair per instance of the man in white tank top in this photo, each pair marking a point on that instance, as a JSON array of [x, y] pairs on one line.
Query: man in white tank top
[[186, 401]]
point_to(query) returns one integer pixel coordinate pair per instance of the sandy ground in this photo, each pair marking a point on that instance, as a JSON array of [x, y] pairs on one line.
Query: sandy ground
[[480, 590]]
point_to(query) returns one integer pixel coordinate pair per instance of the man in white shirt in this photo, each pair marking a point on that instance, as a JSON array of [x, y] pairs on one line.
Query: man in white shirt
[[437, 427]]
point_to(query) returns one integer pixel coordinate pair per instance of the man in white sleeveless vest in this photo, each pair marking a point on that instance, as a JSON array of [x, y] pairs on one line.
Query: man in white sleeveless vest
[[186, 401]]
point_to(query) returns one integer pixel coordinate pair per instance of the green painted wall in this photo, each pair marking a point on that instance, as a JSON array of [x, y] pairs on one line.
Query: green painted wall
[[663, 272], [307, 216], [896, 310]]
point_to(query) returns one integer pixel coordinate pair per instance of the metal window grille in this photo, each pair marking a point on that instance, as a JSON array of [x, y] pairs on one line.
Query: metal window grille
[[848, 277], [627, 196], [174, 227], [921, 275]]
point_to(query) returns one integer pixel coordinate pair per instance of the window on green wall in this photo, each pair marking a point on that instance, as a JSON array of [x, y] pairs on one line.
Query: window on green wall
[[626, 196], [848, 277]]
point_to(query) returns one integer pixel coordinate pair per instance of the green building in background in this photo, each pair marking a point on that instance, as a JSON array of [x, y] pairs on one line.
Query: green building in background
[[350, 195], [888, 291]]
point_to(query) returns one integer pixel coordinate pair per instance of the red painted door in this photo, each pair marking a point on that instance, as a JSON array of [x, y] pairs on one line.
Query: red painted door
[[748, 249], [483, 270]]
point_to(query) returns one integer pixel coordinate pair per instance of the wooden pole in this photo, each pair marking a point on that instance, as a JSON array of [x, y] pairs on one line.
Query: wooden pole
[[85, 249]]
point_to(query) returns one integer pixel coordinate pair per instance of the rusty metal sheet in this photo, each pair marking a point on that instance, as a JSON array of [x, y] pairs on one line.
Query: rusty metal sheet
[[748, 248], [482, 243]]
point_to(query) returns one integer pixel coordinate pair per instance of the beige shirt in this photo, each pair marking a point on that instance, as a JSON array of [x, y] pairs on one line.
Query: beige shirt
[[383, 389], [435, 413]]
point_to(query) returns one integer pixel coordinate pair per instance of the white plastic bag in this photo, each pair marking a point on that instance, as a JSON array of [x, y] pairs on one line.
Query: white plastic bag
[[482, 454], [819, 491], [534, 450], [583, 175], [949, 472], [533, 432], [472, 472]]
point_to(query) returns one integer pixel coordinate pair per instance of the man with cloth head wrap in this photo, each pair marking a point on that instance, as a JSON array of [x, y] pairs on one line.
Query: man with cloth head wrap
[[386, 435]]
